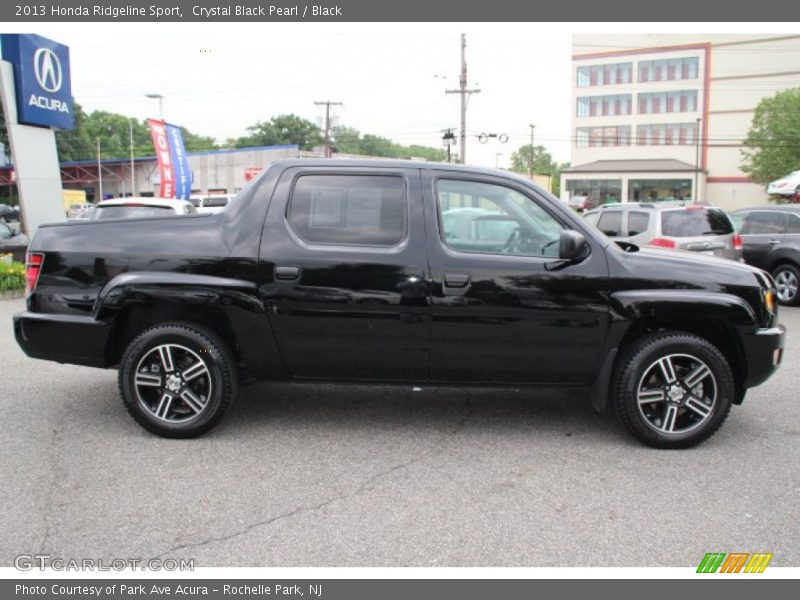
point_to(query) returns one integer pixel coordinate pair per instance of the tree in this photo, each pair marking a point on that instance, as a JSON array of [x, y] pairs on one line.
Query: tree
[[772, 147], [543, 163], [281, 130], [348, 140]]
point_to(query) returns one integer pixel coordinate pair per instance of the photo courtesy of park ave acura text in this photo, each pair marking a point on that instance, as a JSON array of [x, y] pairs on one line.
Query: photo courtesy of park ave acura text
[[281, 293]]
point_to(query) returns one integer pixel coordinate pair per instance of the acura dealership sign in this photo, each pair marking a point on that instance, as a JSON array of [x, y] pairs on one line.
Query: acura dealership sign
[[42, 80]]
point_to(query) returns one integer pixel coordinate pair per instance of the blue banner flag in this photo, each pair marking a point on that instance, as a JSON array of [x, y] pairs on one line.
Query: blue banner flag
[[180, 163]]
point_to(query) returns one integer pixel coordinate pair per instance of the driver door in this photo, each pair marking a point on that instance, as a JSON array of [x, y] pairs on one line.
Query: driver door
[[503, 311]]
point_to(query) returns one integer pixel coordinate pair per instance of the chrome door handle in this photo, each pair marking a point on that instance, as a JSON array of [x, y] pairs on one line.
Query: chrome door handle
[[773, 242]]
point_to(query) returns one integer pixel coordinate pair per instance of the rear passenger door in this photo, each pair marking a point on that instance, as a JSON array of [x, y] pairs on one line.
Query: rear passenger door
[[343, 272], [763, 231]]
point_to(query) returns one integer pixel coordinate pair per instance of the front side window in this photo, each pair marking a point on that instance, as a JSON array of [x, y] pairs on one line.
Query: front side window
[[610, 223], [365, 210], [488, 218]]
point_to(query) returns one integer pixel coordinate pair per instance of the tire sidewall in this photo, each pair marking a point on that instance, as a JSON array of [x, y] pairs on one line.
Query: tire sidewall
[[209, 351], [794, 271], [641, 359]]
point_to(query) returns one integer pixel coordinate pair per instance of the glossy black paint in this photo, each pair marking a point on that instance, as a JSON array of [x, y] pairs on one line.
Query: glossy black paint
[[415, 312]]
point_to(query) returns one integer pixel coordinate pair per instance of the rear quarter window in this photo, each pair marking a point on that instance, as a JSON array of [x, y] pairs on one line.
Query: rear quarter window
[[691, 222]]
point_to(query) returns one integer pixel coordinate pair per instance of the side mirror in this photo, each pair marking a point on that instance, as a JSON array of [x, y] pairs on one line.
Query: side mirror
[[572, 246]]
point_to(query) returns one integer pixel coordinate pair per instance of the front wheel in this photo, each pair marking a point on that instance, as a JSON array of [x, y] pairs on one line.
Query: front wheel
[[787, 280], [177, 380], [673, 390]]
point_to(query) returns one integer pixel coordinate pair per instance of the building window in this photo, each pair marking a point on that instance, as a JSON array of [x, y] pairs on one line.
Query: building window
[[677, 134], [603, 136], [608, 106], [642, 190], [599, 191], [611, 74], [668, 70], [668, 102]]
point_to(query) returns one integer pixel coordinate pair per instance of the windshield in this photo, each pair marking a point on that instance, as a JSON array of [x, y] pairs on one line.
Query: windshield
[[691, 222]]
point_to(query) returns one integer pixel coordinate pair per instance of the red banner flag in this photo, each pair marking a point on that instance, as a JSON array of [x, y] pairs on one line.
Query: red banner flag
[[158, 131]]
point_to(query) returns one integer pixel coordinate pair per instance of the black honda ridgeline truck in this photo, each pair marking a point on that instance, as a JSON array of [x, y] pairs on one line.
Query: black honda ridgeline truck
[[397, 272]]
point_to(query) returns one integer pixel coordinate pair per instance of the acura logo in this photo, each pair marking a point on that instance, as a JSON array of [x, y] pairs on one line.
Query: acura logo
[[47, 68]]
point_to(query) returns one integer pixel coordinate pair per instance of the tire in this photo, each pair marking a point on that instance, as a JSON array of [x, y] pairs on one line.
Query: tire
[[787, 278], [687, 405], [178, 380]]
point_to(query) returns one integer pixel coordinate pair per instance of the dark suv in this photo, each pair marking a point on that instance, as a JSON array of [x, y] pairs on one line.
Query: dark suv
[[771, 241]]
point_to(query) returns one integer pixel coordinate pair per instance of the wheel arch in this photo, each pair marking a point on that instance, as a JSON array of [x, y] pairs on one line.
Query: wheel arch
[[715, 317]]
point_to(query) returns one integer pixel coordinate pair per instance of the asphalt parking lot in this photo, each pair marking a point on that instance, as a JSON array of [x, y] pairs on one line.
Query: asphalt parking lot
[[360, 476]]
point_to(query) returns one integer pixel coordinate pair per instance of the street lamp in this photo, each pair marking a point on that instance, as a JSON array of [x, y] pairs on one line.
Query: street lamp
[[530, 166], [160, 99]]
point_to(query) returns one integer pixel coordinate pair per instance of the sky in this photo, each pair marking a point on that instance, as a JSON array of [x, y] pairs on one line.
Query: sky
[[218, 78]]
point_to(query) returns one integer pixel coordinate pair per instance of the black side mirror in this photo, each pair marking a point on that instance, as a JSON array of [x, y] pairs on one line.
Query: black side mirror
[[572, 246]]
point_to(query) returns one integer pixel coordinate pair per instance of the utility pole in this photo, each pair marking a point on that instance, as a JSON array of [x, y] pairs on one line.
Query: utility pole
[[531, 163], [465, 93], [327, 104]]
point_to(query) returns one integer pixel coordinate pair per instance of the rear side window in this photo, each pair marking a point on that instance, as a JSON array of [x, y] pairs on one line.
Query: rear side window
[[366, 210], [610, 223], [764, 222], [692, 222], [638, 222], [215, 201]]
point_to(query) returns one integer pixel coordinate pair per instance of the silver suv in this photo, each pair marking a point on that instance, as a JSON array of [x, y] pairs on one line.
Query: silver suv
[[694, 227]]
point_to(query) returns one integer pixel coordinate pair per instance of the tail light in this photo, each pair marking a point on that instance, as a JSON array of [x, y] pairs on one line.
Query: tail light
[[663, 243], [33, 266], [737, 242]]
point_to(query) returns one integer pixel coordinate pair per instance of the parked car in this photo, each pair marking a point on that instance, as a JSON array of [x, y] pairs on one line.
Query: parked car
[[83, 215], [78, 207], [701, 229], [351, 271], [134, 207], [786, 186], [771, 241], [211, 204], [9, 213], [10, 236]]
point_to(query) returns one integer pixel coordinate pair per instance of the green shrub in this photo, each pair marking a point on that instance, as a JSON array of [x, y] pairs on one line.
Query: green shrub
[[12, 277]]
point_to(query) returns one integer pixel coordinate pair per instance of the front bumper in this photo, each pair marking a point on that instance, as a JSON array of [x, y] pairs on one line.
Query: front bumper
[[70, 339], [763, 351]]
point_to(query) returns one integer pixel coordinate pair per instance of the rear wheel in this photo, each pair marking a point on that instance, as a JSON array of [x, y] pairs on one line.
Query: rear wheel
[[673, 390], [177, 380], [787, 280]]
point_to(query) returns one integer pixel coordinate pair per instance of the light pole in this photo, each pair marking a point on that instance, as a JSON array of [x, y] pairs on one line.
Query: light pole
[[696, 160], [133, 170], [530, 169], [160, 99], [99, 172], [497, 159]]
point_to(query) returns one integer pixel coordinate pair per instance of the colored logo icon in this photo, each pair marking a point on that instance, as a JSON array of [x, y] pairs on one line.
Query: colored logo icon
[[735, 562]]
